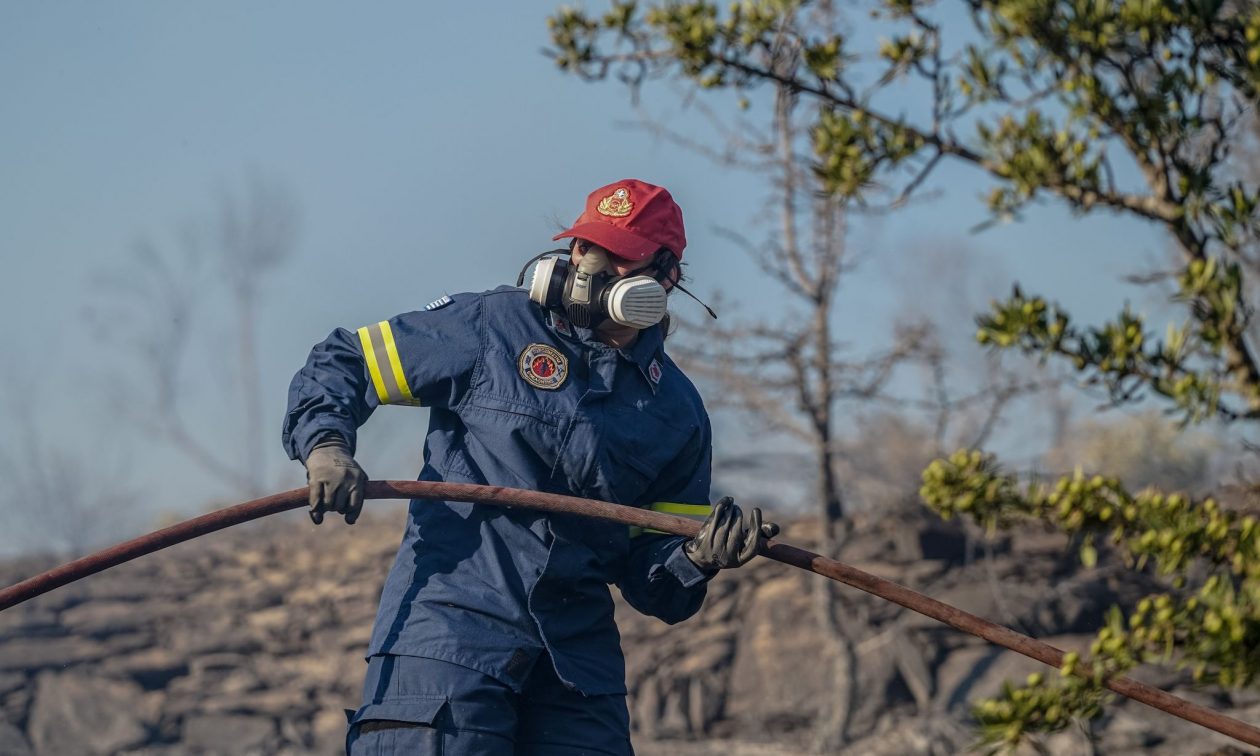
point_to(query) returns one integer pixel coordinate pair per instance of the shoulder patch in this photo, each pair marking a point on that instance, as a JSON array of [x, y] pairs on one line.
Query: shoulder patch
[[438, 304]]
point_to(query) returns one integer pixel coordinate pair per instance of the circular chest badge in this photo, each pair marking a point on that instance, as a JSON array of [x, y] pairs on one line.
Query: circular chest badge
[[543, 366]]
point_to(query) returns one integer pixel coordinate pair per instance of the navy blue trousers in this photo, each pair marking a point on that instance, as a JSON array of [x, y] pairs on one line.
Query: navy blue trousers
[[427, 707]]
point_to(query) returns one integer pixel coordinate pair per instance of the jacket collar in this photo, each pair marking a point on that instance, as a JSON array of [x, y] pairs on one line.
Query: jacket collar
[[647, 352]]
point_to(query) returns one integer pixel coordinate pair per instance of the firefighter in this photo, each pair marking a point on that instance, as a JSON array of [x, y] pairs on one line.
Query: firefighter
[[495, 631]]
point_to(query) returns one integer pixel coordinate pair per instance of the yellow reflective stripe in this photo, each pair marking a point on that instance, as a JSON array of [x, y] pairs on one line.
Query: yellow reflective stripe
[[395, 362], [381, 355], [369, 356], [690, 511], [686, 510]]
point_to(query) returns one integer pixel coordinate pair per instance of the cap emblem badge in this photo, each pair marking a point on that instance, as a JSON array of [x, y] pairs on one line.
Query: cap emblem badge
[[617, 204], [543, 366]]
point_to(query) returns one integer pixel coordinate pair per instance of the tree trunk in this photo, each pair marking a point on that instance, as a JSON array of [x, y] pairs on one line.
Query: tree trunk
[[832, 729]]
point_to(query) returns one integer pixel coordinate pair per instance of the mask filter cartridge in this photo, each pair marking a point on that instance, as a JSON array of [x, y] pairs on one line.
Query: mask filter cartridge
[[588, 294], [638, 302]]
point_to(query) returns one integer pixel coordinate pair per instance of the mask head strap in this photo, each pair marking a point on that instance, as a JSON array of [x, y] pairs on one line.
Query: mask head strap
[[666, 263], [707, 308]]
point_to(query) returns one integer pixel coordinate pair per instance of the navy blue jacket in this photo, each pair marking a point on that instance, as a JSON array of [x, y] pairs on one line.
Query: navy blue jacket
[[519, 397]]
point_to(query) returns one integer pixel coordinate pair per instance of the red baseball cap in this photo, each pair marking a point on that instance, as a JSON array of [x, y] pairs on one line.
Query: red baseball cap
[[632, 219]]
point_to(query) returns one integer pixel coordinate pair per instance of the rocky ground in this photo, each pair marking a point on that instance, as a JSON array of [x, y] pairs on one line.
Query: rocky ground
[[250, 641]]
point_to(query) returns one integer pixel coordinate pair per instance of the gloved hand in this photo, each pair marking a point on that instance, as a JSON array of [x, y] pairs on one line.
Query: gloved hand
[[337, 482], [728, 537]]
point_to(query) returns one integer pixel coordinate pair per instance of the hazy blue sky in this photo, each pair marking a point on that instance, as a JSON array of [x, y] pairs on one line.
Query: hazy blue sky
[[431, 147]]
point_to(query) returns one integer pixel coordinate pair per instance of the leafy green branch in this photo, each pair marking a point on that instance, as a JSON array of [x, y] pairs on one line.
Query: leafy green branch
[[1213, 628], [1190, 366]]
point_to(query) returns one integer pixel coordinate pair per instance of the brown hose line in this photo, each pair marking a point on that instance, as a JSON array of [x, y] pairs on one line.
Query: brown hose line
[[781, 552]]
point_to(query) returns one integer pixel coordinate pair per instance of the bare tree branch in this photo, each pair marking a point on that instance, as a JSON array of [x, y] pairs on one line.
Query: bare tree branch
[[151, 306]]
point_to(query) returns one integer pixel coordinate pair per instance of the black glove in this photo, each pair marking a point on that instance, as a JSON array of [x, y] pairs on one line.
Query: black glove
[[728, 537], [337, 482]]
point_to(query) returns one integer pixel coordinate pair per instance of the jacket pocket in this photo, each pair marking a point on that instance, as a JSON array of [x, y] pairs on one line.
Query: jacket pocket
[[404, 725], [636, 477], [522, 410], [640, 451]]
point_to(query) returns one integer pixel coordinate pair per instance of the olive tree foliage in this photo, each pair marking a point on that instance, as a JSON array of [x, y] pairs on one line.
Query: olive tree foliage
[[1131, 107]]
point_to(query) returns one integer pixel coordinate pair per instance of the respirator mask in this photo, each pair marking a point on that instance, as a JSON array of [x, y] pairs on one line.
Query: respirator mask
[[589, 292]]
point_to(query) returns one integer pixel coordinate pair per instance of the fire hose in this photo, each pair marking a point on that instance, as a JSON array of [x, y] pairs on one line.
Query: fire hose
[[557, 504]]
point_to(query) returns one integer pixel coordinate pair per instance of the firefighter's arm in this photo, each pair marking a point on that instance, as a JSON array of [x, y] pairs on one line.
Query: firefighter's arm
[[660, 580], [424, 358], [328, 397]]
